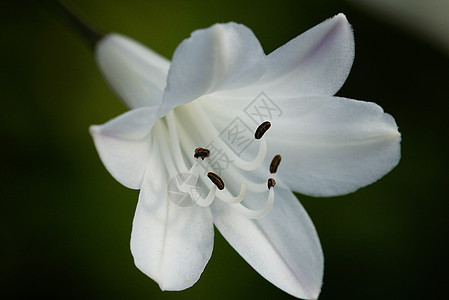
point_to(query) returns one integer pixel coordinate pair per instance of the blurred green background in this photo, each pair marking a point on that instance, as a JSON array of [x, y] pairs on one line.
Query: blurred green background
[[65, 223]]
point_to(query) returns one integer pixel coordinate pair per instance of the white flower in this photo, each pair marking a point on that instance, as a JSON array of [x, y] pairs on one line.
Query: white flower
[[329, 146]]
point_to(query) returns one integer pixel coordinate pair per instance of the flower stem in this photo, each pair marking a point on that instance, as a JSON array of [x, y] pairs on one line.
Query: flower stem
[[89, 34]]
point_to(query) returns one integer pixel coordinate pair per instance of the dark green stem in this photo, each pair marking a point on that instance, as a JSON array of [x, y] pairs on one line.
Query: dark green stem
[[90, 35]]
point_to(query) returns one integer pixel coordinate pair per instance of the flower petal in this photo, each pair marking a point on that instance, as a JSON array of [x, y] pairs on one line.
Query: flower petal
[[124, 144], [316, 62], [221, 57], [332, 146], [170, 244], [137, 74], [283, 246]]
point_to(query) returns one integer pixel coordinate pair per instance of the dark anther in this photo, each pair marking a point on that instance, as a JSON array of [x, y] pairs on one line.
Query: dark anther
[[275, 164], [260, 131], [201, 153], [271, 183], [216, 180]]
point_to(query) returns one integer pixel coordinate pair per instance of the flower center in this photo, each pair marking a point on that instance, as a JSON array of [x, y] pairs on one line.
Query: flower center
[[198, 185]]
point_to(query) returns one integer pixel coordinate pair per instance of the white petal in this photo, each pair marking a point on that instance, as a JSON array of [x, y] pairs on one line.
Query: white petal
[[282, 246], [124, 144], [222, 57], [316, 62], [137, 74], [170, 244], [332, 146]]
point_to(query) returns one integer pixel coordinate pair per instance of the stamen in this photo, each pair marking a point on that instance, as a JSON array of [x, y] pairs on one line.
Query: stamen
[[164, 149], [271, 183], [256, 214], [256, 162], [216, 180], [232, 200], [275, 164], [218, 189], [174, 141], [208, 129], [201, 153], [192, 179], [260, 131], [208, 200]]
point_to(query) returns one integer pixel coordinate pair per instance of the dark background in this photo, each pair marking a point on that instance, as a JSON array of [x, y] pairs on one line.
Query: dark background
[[65, 223]]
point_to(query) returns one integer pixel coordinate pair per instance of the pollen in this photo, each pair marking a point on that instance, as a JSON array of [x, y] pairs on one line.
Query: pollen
[[275, 164], [260, 131], [271, 183], [201, 153], [216, 180]]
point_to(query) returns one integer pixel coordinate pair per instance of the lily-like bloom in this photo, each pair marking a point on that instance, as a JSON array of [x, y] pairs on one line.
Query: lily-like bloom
[[185, 145]]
